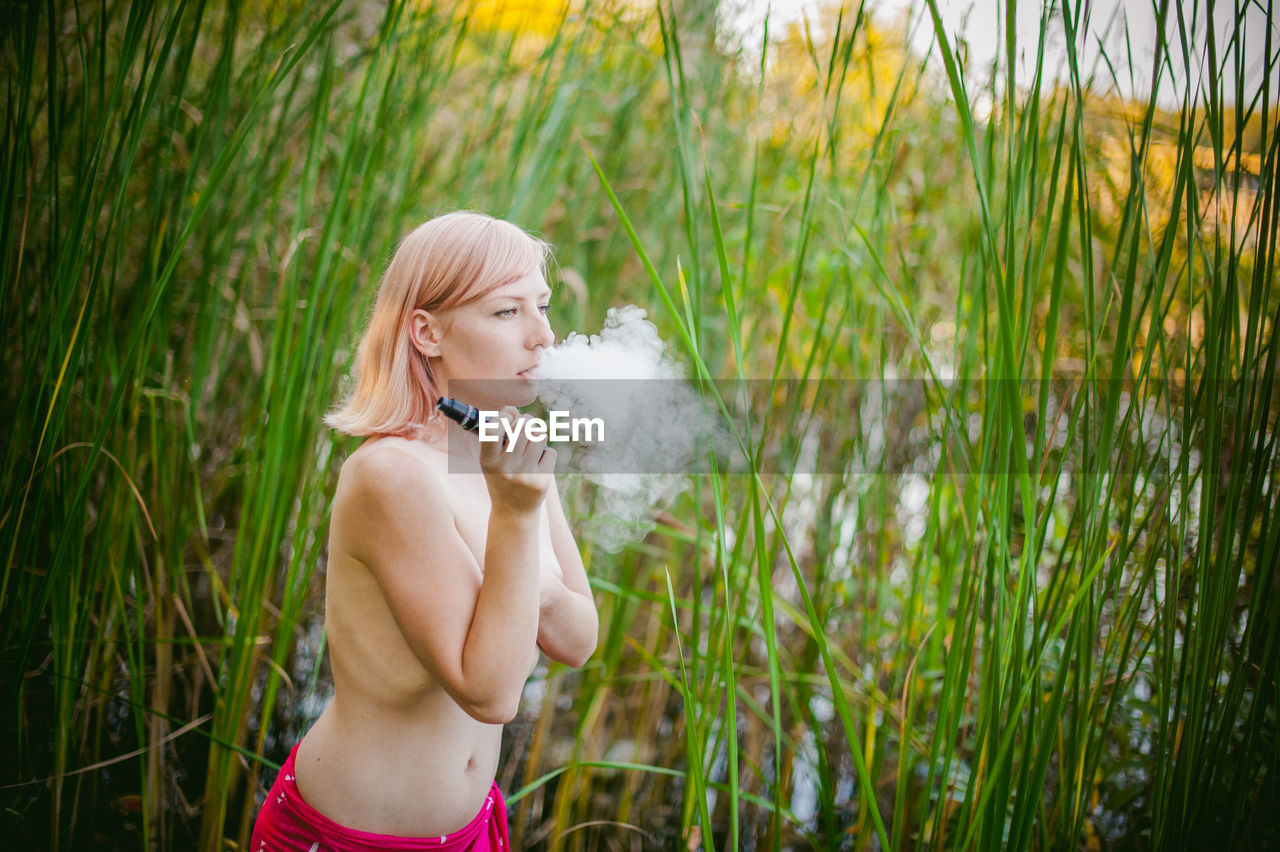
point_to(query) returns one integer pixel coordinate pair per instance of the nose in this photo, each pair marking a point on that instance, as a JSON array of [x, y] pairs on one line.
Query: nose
[[541, 335]]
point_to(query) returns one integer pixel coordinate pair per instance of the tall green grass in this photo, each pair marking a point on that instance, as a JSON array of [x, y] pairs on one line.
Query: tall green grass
[[1066, 637]]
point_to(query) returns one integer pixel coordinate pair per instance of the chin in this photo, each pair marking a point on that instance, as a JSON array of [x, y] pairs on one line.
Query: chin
[[523, 395]]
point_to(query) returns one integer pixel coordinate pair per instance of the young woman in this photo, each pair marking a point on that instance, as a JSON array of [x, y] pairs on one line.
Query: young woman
[[450, 560]]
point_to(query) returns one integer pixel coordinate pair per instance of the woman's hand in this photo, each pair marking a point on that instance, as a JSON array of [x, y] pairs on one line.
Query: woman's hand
[[518, 476]]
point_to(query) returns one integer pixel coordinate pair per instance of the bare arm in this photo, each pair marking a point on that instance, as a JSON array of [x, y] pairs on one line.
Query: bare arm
[[461, 629], [568, 624]]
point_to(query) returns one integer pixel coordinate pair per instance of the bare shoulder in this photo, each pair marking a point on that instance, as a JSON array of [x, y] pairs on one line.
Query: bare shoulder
[[388, 494], [391, 467]]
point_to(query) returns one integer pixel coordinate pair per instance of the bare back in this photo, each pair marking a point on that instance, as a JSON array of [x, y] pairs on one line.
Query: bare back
[[394, 752]]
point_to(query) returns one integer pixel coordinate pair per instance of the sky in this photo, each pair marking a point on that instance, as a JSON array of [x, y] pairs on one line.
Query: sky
[[1110, 21]]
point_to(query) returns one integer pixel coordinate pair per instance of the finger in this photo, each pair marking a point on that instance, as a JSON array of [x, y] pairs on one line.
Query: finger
[[491, 451], [511, 414], [505, 418], [511, 418], [537, 453], [519, 450]]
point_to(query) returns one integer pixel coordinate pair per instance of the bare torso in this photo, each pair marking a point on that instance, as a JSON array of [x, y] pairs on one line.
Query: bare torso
[[393, 753]]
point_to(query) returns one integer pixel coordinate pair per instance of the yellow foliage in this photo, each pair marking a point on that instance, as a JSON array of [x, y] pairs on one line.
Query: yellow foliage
[[803, 101], [1224, 184], [521, 17], [1226, 198]]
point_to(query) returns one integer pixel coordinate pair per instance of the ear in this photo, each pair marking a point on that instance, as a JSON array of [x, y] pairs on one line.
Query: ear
[[425, 332]]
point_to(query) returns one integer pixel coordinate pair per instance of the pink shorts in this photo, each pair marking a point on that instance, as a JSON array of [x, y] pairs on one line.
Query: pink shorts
[[288, 824]]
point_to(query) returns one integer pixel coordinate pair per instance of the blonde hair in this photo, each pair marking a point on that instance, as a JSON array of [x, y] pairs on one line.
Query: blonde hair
[[448, 261]]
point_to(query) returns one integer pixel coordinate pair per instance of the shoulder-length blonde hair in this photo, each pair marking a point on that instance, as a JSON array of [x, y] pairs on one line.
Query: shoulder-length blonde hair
[[448, 261]]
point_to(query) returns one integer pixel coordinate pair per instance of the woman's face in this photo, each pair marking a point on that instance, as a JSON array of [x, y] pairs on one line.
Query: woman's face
[[487, 348]]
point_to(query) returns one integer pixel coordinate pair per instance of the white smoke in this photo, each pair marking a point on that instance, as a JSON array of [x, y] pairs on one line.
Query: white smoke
[[627, 348], [655, 421]]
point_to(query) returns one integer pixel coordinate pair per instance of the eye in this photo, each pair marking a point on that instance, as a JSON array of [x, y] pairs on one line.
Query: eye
[[546, 309], [507, 312]]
